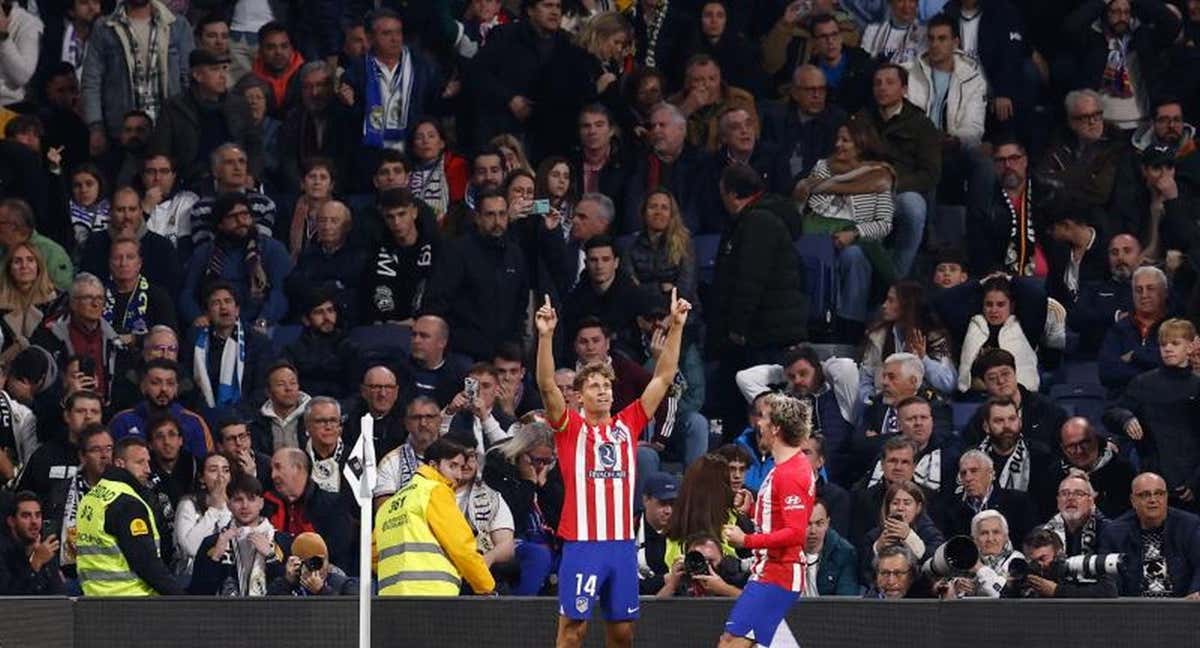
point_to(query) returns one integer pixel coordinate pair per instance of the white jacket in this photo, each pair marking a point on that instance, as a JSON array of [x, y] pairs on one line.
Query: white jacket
[[1012, 339], [966, 99], [841, 374], [19, 54]]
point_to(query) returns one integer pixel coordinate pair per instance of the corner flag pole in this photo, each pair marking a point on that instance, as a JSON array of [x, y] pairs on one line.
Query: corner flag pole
[[366, 486]]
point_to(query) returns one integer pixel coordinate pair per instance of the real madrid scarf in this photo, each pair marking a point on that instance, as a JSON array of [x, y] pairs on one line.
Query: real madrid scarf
[[233, 363], [327, 473], [1087, 533], [376, 133], [133, 320]]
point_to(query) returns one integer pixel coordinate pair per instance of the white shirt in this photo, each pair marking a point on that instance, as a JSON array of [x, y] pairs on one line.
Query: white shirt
[[968, 29], [250, 15]]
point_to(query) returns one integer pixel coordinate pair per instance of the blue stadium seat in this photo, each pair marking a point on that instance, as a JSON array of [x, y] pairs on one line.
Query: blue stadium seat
[[1082, 399], [962, 413], [283, 335], [817, 261], [706, 256], [382, 341], [1081, 373]]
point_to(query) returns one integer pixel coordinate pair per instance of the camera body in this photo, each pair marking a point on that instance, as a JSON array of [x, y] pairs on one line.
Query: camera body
[[695, 564]]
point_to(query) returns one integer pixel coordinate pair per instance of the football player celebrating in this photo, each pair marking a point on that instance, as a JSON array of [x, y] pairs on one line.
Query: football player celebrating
[[597, 455]]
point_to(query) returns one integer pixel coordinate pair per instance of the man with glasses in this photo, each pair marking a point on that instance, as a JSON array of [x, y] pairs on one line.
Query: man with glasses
[[60, 505], [160, 342], [379, 396], [805, 123], [234, 438], [82, 331], [1161, 544], [423, 424], [1078, 523], [169, 207], [1083, 449], [230, 169], [1003, 235], [327, 450], [1077, 171]]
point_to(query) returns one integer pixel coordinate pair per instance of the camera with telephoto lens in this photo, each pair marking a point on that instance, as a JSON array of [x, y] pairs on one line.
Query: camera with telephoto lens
[[956, 556], [695, 564], [1084, 566]]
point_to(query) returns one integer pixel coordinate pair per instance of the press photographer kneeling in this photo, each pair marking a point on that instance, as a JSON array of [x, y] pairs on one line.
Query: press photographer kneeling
[[1053, 575], [704, 571]]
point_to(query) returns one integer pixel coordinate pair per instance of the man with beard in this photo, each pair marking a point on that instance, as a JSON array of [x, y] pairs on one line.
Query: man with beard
[[1003, 235], [125, 67], [483, 287], [1024, 465], [1103, 302], [255, 265], [1118, 50], [121, 162], [1078, 522], [277, 63], [829, 386], [160, 389], [28, 555], [402, 263], [325, 358], [1166, 128], [318, 126], [1085, 452], [227, 358]]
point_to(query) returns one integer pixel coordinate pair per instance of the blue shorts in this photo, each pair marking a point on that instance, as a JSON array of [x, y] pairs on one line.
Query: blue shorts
[[594, 572], [758, 611]]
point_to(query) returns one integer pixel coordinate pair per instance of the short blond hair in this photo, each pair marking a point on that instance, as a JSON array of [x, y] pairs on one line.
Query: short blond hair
[[1176, 327]]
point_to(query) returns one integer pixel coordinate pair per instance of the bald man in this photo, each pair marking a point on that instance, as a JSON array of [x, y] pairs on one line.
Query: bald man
[[1161, 544], [295, 505], [805, 125], [379, 397]]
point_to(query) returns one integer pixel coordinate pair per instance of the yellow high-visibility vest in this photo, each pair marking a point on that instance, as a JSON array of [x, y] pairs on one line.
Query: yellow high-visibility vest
[[102, 568], [411, 561]]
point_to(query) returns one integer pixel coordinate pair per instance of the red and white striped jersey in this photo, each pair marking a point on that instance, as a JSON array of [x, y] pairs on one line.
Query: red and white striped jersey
[[598, 466], [785, 500]]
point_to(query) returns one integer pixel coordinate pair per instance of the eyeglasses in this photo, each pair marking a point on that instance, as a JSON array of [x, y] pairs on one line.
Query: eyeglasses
[[330, 421], [892, 573], [165, 348], [1008, 159], [380, 387], [541, 461], [95, 299], [238, 437], [107, 449], [423, 417], [1073, 494], [1154, 494], [1168, 121], [1091, 117]]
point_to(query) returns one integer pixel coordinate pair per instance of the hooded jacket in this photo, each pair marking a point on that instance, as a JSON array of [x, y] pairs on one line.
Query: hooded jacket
[[966, 98]]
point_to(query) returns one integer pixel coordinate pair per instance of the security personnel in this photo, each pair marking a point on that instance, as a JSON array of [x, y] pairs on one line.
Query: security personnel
[[425, 546], [117, 530]]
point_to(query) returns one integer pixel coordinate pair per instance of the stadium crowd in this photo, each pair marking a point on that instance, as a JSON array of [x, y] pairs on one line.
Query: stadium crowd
[[242, 238]]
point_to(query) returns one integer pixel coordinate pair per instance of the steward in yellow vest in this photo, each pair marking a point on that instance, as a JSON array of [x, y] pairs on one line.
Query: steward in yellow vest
[[117, 539], [425, 547]]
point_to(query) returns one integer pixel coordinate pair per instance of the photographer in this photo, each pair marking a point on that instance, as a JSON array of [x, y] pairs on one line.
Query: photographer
[[704, 571], [308, 572], [998, 562], [1049, 575]]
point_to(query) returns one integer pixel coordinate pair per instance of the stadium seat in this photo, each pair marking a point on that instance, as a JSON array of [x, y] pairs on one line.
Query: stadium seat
[[1082, 399], [962, 413], [382, 341], [817, 261], [705, 247], [285, 334], [1081, 373]]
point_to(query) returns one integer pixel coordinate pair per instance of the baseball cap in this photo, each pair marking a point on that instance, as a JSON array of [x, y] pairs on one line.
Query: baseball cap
[[662, 486], [1158, 155], [309, 545], [201, 56]]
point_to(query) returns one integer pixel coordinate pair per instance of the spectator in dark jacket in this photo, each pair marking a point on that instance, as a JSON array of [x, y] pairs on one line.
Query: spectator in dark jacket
[[837, 561], [676, 165], [1131, 346], [979, 492], [516, 76], [1001, 48], [225, 377], [1075, 254], [1041, 418], [1156, 204], [605, 292], [326, 360], [333, 259], [320, 126], [1103, 302], [1160, 412], [482, 288], [738, 136], [1077, 170], [1161, 544], [195, 123], [847, 68], [805, 124], [381, 116], [914, 149], [28, 560], [295, 505], [1105, 35], [723, 40], [1109, 474], [160, 262], [661, 31]]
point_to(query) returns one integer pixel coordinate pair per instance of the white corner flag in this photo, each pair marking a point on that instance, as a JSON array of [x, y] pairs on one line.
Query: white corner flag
[[360, 475]]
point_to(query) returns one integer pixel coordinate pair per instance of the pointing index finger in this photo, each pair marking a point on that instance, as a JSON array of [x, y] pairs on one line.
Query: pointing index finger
[[547, 296]]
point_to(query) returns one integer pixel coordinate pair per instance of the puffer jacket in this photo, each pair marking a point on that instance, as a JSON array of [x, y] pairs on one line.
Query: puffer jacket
[[1012, 339], [966, 99]]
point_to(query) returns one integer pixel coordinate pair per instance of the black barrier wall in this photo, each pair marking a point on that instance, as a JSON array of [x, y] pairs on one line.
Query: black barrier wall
[[529, 623]]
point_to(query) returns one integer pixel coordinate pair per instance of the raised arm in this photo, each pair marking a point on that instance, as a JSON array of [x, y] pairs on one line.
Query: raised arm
[[546, 320], [668, 361]]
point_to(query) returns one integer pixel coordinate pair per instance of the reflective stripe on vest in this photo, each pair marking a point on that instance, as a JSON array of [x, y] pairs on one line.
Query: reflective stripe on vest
[[102, 568], [411, 562]]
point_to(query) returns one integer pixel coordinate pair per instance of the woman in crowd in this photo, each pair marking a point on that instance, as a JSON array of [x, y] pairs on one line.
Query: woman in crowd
[[704, 505], [908, 325], [902, 520], [720, 38], [204, 511], [27, 297], [849, 196], [513, 153], [259, 95], [997, 327], [553, 183], [608, 39], [316, 189], [661, 254], [439, 177], [132, 305], [524, 472], [88, 205]]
